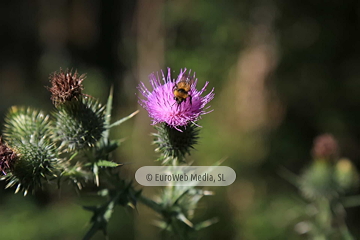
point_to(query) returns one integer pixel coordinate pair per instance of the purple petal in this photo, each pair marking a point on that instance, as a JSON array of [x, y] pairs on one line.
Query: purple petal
[[162, 106]]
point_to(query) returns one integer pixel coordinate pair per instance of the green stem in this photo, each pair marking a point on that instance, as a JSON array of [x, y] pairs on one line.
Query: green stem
[[150, 203]]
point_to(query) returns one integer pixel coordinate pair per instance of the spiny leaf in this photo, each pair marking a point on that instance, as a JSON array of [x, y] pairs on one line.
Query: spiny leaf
[[182, 218], [105, 163], [96, 174], [103, 149], [100, 218], [108, 115], [151, 204], [102, 214], [205, 223], [123, 119], [289, 176]]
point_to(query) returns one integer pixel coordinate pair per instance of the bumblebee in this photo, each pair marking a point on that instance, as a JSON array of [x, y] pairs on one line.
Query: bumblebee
[[181, 90]]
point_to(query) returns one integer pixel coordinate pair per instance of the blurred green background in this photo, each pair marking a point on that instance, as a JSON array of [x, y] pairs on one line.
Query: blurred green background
[[283, 71]]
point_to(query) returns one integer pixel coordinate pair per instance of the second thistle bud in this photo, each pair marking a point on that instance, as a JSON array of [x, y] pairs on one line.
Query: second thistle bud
[[325, 147], [80, 119]]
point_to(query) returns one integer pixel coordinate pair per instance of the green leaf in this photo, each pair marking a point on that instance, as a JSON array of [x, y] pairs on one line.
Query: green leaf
[[123, 119], [73, 156], [108, 114], [103, 192], [289, 176], [96, 173], [102, 214], [105, 163], [205, 223], [100, 218], [106, 148], [151, 204], [351, 201], [182, 218]]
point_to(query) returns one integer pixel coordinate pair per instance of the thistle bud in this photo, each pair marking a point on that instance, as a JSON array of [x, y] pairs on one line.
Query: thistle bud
[[173, 144], [325, 147], [79, 123], [34, 158], [79, 118], [65, 86], [317, 181], [346, 175]]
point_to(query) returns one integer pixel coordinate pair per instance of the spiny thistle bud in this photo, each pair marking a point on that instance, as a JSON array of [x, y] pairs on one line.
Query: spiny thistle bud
[[7, 157], [21, 123], [173, 144], [28, 132], [318, 182], [325, 147], [346, 175], [65, 86], [79, 123], [80, 119]]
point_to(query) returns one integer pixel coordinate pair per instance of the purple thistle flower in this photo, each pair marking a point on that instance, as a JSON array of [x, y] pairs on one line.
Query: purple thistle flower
[[163, 107]]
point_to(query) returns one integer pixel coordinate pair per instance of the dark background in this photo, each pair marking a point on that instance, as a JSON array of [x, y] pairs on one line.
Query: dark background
[[283, 71]]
